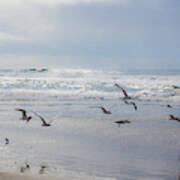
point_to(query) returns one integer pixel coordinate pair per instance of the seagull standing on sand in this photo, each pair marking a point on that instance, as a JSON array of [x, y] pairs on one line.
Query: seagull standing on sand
[[25, 168], [42, 169], [24, 115], [6, 141]]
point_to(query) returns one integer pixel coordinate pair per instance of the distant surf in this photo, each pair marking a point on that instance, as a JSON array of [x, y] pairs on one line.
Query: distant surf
[[83, 83], [36, 70]]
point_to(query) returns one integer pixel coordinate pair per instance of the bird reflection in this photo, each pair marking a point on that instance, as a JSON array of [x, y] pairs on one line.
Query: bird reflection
[[122, 122]]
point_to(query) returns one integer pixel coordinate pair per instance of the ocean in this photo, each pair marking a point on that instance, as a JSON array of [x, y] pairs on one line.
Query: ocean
[[79, 84], [84, 143]]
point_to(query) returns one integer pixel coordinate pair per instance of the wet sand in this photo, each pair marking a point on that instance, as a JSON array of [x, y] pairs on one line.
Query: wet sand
[[90, 145], [10, 176]]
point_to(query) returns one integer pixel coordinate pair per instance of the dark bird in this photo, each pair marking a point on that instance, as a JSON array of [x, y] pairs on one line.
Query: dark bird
[[44, 123], [122, 122], [42, 169], [126, 96], [172, 117], [25, 168], [169, 106], [6, 141], [105, 111], [24, 115], [134, 105], [131, 103]]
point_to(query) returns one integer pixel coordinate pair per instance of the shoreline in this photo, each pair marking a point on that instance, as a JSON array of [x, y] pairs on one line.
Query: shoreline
[[90, 145], [14, 176]]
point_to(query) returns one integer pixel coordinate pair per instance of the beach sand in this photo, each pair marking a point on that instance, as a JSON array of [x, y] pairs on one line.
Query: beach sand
[[10, 176], [90, 145]]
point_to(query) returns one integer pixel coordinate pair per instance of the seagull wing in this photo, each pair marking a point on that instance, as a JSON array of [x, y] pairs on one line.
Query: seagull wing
[[126, 102], [134, 104], [23, 111], [103, 109], [123, 90], [41, 118]]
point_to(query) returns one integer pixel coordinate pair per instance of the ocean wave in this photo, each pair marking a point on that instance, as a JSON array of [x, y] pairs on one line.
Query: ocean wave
[[35, 70], [81, 83]]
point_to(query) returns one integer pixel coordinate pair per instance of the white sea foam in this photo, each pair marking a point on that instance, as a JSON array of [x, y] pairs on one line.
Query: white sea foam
[[80, 83]]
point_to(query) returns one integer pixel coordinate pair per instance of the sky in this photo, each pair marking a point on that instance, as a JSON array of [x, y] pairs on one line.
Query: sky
[[95, 34]]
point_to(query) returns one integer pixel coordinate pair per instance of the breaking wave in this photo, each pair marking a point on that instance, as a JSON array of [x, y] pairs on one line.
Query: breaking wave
[[81, 83]]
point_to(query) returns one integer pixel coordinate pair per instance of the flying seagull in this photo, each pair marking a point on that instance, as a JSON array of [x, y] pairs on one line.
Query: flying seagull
[[132, 103], [44, 123], [24, 115], [105, 111], [126, 96], [122, 122], [172, 117]]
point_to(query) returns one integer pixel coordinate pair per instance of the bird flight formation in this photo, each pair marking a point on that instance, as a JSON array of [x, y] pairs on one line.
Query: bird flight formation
[[28, 118], [128, 100]]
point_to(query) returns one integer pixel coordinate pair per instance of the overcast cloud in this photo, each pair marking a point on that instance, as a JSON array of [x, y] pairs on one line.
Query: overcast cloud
[[90, 33]]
